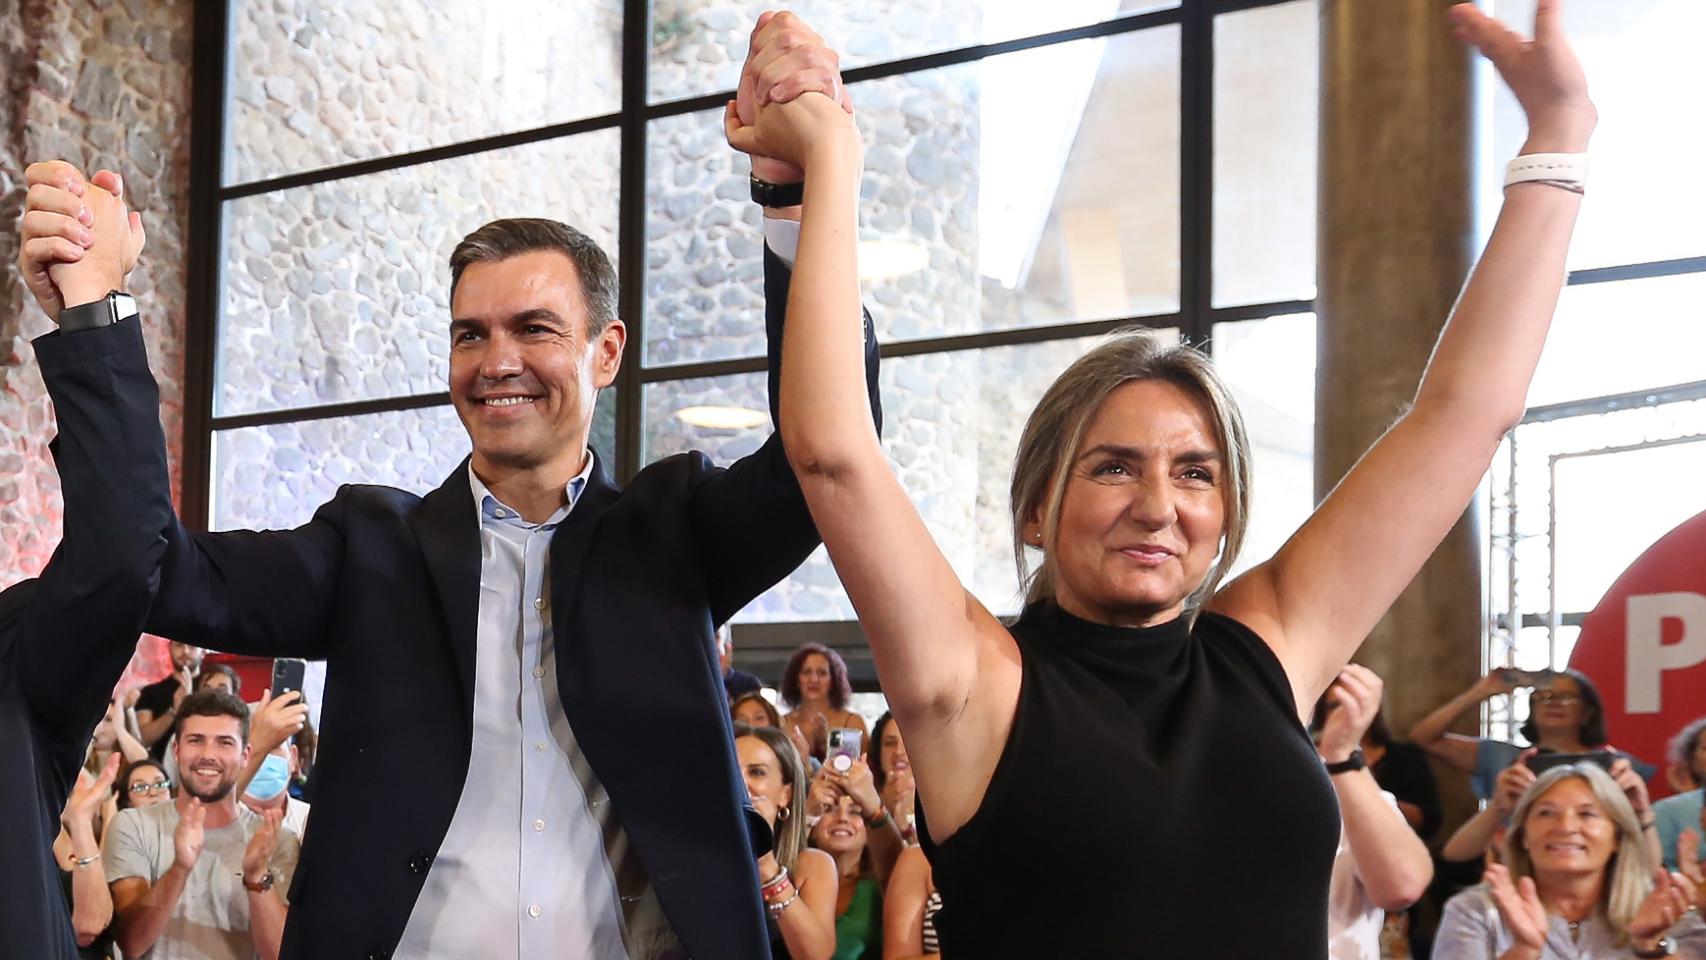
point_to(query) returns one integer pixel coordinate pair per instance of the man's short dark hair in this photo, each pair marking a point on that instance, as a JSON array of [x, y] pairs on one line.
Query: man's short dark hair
[[212, 702], [512, 237], [209, 669]]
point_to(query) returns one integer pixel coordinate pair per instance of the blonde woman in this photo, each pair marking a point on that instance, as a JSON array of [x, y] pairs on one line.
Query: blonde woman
[[1577, 882], [1157, 711], [798, 884]]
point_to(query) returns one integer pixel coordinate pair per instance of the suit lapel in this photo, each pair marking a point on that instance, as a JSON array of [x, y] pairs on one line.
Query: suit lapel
[[572, 541], [450, 545]]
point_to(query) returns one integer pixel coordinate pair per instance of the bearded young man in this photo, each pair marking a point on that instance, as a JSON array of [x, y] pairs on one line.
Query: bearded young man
[[202, 877]]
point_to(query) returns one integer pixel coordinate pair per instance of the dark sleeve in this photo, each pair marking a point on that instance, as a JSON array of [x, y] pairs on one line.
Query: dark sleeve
[[157, 696], [1405, 773], [81, 625], [750, 521], [262, 594]]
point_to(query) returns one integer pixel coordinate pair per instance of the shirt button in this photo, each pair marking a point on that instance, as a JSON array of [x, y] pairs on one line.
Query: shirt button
[[533, 911], [539, 747], [539, 825], [538, 672], [538, 603]]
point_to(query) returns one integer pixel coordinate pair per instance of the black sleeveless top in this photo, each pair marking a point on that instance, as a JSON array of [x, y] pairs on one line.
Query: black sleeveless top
[[1157, 797]]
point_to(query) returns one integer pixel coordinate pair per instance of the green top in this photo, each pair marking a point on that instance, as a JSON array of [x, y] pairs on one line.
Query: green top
[[859, 931]]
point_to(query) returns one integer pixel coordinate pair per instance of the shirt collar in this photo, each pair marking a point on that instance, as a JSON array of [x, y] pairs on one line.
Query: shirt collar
[[489, 509]]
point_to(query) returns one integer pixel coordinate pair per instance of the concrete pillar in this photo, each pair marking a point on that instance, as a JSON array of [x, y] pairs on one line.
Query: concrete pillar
[[1396, 240]]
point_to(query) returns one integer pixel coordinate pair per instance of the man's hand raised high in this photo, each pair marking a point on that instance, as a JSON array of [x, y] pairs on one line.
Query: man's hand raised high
[[785, 59], [79, 240]]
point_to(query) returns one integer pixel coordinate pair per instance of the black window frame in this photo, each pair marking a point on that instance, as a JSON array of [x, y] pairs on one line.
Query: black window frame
[[1195, 317]]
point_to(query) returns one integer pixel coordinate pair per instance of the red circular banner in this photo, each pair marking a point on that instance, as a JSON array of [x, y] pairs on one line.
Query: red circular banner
[[1644, 646]]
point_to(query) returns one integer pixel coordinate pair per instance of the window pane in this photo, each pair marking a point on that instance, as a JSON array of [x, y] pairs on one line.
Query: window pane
[[1645, 72], [1059, 205], [318, 83], [340, 291], [1269, 365], [952, 427], [1266, 70], [1617, 337], [698, 46], [275, 476]]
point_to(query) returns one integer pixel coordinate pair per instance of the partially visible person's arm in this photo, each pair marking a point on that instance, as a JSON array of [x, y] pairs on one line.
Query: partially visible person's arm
[[91, 901], [128, 745], [807, 924], [1433, 732], [1391, 861], [266, 907], [903, 907], [81, 625], [1328, 586], [1471, 840]]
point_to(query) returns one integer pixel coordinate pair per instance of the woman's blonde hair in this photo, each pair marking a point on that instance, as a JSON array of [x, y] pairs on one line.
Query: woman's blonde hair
[[1629, 871], [790, 829], [1055, 432]]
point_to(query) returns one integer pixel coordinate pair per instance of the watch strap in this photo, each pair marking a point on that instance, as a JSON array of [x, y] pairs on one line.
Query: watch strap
[[1349, 764], [262, 887], [110, 309], [767, 194], [1666, 947]]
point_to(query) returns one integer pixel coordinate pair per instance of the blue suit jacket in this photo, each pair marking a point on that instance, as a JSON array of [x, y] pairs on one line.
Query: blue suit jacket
[[65, 638], [384, 586]]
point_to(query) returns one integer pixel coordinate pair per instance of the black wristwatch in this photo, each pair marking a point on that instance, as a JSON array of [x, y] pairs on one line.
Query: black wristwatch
[[1350, 764], [767, 194], [110, 309], [1666, 947]]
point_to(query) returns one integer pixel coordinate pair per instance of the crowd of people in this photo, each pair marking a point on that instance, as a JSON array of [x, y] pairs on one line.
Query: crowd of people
[[1122, 768]]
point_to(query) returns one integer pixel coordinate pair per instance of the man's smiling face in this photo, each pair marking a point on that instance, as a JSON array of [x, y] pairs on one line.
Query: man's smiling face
[[523, 371]]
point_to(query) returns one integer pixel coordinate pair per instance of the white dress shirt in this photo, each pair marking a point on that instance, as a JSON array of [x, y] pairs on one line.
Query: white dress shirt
[[529, 867]]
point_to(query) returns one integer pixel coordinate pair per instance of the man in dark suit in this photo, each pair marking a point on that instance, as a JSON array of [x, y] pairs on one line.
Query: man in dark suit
[[66, 636], [581, 796]]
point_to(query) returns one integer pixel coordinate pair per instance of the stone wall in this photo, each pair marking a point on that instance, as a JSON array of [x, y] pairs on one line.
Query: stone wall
[[102, 84]]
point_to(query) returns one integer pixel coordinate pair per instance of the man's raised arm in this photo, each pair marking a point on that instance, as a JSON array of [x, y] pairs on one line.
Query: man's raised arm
[[266, 594], [81, 622]]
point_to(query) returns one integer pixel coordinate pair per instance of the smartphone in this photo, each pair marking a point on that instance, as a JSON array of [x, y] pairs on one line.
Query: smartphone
[[1542, 762], [843, 742], [288, 674], [1527, 678]]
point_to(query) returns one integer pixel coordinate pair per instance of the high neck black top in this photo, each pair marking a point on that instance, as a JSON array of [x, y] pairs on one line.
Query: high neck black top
[[1157, 797]]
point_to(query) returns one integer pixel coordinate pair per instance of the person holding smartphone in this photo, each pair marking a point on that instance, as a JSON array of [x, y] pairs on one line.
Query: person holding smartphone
[[817, 692], [1564, 716]]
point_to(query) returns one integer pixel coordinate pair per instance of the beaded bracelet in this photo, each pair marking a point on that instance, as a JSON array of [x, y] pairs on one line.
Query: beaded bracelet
[[777, 908]]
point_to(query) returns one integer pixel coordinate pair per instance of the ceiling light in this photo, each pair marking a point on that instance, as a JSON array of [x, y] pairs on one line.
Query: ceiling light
[[722, 417]]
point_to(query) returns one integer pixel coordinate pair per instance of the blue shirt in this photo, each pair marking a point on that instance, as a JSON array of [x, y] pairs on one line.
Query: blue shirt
[[1674, 815]]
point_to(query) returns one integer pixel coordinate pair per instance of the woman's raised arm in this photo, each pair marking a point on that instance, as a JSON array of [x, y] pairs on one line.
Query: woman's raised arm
[[1326, 588]]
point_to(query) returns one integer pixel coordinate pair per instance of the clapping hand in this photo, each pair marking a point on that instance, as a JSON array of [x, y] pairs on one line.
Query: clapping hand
[[1355, 695], [1520, 906], [1688, 863], [1672, 896], [187, 839], [258, 854], [87, 796]]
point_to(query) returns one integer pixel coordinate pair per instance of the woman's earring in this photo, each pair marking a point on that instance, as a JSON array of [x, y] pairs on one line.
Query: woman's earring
[[781, 813]]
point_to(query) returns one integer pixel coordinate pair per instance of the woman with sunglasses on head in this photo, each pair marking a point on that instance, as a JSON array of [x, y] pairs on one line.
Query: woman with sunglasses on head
[[796, 882], [1133, 692]]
